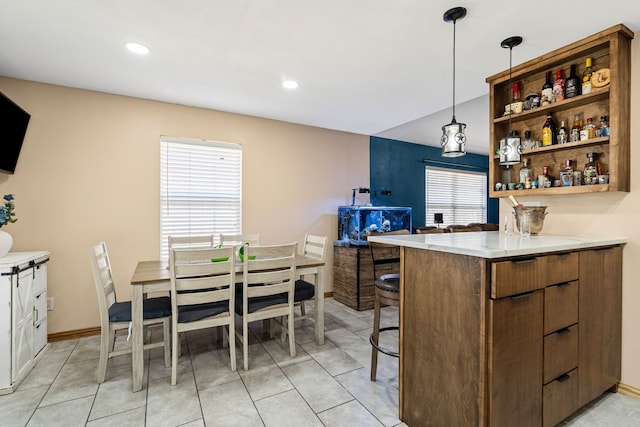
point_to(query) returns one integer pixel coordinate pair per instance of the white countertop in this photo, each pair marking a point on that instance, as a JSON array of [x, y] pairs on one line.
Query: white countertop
[[494, 244], [13, 259]]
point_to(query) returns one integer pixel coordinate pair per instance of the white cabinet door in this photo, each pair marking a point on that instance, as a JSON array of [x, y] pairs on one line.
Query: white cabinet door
[[40, 307], [5, 331], [22, 355]]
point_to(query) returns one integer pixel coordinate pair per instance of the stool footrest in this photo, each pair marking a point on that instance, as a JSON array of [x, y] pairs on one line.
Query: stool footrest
[[382, 349]]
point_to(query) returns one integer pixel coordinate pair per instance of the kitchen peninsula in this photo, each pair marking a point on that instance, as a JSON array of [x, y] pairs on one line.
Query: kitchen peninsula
[[500, 330]]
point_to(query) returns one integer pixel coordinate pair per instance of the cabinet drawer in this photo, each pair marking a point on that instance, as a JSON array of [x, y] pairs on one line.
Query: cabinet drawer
[[560, 306], [39, 335], [562, 268], [560, 353], [39, 278], [517, 276], [560, 398]]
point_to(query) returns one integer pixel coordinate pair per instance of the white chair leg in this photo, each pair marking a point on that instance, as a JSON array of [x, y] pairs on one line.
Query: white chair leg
[[175, 338], [302, 309], [105, 346], [292, 335], [232, 346], [166, 336], [245, 344]]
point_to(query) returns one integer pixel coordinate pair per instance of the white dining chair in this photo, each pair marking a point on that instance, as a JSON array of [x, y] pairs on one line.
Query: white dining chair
[[267, 290], [116, 315], [204, 240], [202, 295], [315, 247]]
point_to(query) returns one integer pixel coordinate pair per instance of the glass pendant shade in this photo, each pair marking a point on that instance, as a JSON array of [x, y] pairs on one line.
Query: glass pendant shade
[[510, 150], [453, 139]]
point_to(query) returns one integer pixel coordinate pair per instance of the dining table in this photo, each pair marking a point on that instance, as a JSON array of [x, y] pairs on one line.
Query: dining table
[[153, 276]]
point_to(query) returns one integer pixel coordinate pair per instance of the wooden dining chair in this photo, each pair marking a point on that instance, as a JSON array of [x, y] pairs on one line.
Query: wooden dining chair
[[116, 315], [315, 247], [239, 239], [203, 240], [267, 290], [202, 295]]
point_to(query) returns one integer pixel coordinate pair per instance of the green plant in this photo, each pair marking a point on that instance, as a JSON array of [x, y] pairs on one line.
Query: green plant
[[6, 212]]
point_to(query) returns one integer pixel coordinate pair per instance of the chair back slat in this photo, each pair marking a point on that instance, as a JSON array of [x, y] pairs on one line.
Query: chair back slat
[[274, 267], [103, 279], [240, 239], [204, 240]]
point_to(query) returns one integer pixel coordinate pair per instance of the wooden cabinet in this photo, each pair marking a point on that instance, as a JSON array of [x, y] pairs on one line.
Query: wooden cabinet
[[23, 327], [610, 49], [353, 281], [511, 341]]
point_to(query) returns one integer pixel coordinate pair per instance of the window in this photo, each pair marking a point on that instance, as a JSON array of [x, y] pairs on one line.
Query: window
[[200, 189], [461, 196]]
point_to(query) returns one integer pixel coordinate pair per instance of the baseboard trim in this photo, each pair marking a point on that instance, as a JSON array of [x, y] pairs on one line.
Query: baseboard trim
[[629, 390], [76, 333]]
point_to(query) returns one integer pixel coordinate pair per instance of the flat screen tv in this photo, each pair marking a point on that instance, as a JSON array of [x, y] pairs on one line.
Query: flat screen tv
[[13, 127]]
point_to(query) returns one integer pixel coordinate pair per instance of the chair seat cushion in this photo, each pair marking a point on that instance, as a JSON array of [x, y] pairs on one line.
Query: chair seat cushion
[[304, 290], [389, 282], [191, 313], [152, 308], [258, 303]]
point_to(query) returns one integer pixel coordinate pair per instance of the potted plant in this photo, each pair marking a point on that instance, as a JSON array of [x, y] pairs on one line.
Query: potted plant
[[7, 216]]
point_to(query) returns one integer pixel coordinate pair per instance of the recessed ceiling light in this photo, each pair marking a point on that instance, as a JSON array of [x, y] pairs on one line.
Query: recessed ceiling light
[[290, 84], [138, 48]]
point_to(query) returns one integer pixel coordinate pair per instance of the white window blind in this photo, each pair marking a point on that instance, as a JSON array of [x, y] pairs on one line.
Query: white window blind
[[200, 189], [460, 196]]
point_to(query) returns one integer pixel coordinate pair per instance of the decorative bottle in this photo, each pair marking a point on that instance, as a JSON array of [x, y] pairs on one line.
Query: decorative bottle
[[566, 174], [558, 86], [573, 84], [586, 77], [524, 171], [591, 170], [548, 131], [576, 128], [563, 136], [604, 126], [546, 97], [588, 131]]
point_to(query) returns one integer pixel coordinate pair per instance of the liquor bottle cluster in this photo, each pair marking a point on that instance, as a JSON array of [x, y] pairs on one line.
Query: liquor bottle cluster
[[580, 130]]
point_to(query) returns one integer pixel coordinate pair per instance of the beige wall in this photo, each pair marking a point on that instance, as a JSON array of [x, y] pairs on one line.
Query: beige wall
[[89, 171], [611, 214]]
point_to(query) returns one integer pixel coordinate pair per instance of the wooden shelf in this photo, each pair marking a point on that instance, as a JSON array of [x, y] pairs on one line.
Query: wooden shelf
[[561, 147], [599, 188]]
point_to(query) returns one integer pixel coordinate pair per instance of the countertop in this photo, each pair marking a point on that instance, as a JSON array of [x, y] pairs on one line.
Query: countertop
[[495, 244]]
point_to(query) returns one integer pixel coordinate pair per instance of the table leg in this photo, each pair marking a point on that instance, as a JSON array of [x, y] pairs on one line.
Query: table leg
[[320, 306], [137, 338]]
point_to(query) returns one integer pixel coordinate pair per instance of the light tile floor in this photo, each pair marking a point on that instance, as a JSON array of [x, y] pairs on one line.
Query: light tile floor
[[322, 386]]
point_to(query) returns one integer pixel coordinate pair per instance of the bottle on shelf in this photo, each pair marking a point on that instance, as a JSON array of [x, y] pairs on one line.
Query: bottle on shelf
[[558, 87], [604, 126], [563, 136], [546, 96], [586, 76], [591, 170], [566, 174], [524, 171], [516, 104], [573, 84], [528, 143], [548, 131], [588, 131], [576, 128], [548, 179]]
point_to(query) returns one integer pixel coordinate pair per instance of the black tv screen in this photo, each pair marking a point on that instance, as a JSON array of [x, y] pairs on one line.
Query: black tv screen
[[13, 126]]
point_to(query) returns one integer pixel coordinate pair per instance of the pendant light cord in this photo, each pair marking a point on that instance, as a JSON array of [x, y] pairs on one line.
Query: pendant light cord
[[454, 71], [511, 89]]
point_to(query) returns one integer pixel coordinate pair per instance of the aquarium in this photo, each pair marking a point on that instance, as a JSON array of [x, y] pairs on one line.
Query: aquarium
[[355, 221]]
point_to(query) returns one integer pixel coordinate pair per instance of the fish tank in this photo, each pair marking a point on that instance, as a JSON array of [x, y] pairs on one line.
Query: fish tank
[[355, 221]]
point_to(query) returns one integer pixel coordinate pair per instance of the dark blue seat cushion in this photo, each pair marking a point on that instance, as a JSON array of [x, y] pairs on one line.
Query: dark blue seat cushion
[[152, 308], [258, 303], [191, 313], [304, 290]]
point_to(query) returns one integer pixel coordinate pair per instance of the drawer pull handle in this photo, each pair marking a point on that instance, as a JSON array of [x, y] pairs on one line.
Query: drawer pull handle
[[563, 378], [563, 285], [563, 331], [604, 249], [524, 295], [525, 261]]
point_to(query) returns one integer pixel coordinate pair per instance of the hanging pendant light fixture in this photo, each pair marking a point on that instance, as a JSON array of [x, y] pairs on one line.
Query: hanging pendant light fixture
[[510, 146], [453, 137]]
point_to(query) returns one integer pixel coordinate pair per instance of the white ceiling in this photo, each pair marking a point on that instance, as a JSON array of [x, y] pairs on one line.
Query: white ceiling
[[374, 67]]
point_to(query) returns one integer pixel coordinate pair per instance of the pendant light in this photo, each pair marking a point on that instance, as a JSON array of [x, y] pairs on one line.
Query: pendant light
[[510, 146], [453, 137]]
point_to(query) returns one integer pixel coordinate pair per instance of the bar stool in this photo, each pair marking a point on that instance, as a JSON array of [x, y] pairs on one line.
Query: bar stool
[[387, 292]]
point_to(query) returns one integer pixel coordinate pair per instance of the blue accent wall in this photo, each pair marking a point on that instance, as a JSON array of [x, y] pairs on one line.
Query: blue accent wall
[[399, 166]]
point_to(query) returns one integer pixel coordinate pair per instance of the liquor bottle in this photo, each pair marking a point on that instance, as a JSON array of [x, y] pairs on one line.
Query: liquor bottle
[[566, 174], [604, 126], [548, 131], [573, 84], [576, 128], [548, 179], [516, 103], [558, 87], [546, 96], [563, 136], [586, 77], [524, 171], [591, 170], [588, 131]]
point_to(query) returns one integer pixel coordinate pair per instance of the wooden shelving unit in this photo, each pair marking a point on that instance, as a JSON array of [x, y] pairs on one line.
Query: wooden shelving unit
[[611, 49]]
